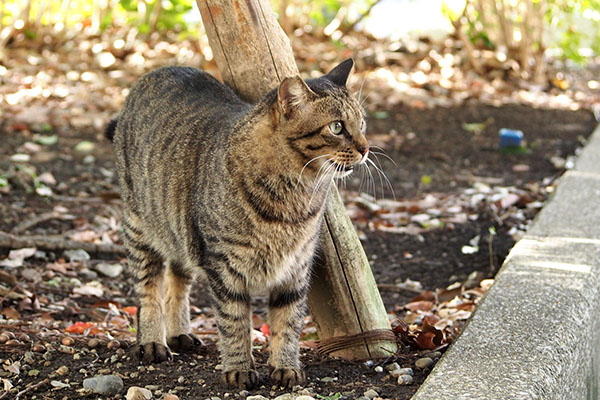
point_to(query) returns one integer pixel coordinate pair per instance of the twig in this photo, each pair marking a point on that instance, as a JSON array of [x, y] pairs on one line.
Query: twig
[[38, 219], [32, 387], [57, 242], [389, 287]]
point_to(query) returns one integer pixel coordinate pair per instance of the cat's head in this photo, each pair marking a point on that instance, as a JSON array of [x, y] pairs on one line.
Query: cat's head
[[324, 126]]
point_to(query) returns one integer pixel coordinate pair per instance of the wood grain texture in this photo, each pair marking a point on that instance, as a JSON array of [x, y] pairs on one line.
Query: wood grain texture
[[253, 55]]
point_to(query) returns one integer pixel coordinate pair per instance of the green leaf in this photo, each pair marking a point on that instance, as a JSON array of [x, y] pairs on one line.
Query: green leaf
[[426, 180], [46, 140]]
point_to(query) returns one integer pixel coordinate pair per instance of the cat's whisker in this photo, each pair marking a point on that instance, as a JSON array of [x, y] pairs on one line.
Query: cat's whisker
[[361, 86], [320, 179], [372, 180], [306, 165], [365, 99], [382, 153], [382, 174]]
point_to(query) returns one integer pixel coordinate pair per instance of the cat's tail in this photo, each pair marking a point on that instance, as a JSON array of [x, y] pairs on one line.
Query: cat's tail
[[111, 129]]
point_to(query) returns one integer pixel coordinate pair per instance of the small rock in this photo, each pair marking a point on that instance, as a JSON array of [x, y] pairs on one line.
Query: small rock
[[328, 379], [63, 370], [67, 341], [77, 255], [257, 397], [138, 393], [181, 379], [435, 354], [107, 385], [93, 343], [113, 344], [392, 367], [405, 380], [305, 397], [152, 387], [109, 270], [424, 362], [243, 393], [285, 396], [33, 372], [170, 396], [406, 371], [379, 369], [66, 349], [371, 394], [38, 348]]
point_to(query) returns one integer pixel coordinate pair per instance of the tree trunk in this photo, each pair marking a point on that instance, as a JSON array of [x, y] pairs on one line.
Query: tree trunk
[[253, 55]]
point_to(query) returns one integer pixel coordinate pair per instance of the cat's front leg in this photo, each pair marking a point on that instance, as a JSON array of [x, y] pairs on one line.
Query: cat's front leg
[[231, 305], [287, 308]]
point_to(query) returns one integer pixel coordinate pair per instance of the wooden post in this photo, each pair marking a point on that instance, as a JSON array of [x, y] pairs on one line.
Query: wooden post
[[253, 55]]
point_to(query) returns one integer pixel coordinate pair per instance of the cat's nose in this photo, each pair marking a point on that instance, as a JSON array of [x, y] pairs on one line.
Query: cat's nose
[[363, 150]]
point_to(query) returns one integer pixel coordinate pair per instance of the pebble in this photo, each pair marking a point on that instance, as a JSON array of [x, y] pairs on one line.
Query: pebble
[[66, 349], [107, 385], [257, 397], [328, 379], [33, 372], [424, 362], [77, 255], [243, 393], [285, 396], [371, 394], [138, 393], [405, 380], [379, 369], [305, 397], [170, 396], [109, 270], [181, 379], [63, 370], [67, 341], [392, 367], [152, 387], [113, 344], [435, 354], [93, 342], [38, 348]]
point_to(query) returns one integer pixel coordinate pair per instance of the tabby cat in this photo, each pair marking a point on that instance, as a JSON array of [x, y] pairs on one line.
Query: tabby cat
[[232, 193]]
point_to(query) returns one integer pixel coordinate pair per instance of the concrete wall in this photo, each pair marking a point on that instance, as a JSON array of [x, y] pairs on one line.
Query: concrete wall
[[536, 334]]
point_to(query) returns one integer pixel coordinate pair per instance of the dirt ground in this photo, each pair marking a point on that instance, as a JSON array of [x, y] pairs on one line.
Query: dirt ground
[[429, 143]]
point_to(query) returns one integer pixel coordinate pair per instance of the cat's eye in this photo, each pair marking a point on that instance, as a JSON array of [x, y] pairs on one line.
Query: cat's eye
[[336, 127]]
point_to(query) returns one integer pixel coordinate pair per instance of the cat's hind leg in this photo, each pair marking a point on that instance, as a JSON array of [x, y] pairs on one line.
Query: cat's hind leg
[[179, 333], [148, 271]]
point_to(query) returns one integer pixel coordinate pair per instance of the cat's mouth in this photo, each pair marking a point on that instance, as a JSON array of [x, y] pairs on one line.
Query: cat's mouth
[[343, 170]]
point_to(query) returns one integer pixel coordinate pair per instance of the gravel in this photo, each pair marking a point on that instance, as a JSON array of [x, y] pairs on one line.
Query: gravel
[[424, 362], [107, 385]]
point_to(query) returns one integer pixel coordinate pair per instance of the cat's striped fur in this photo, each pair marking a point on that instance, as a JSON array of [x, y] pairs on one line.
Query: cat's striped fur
[[232, 193]]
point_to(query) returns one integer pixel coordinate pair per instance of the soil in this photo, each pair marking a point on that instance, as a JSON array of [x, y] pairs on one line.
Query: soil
[[423, 143]]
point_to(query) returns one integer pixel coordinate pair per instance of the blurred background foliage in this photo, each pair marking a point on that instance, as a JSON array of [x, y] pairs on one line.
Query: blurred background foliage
[[523, 30]]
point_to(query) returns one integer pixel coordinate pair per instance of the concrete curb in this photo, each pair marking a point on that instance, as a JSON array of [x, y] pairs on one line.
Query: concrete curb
[[536, 334]]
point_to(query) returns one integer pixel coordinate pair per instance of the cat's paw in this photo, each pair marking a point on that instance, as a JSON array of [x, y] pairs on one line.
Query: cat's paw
[[246, 379], [153, 353], [184, 343], [287, 377]]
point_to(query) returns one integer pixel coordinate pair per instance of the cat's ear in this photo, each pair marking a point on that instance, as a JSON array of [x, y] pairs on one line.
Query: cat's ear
[[293, 94], [339, 75]]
